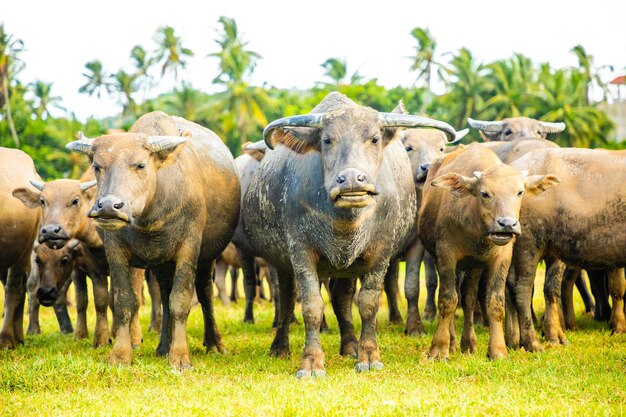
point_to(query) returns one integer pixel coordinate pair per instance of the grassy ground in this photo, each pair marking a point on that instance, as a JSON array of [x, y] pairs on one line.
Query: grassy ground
[[52, 374]]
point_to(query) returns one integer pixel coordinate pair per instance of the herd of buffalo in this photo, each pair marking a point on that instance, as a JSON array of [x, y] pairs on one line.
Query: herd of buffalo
[[342, 193]]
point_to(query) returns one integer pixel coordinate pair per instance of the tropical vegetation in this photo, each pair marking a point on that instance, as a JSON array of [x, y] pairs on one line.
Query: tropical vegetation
[[237, 110]]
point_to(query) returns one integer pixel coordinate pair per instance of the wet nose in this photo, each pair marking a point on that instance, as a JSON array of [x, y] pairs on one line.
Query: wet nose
[[109, 206], [424, 167], [509, 224], [47, 294], [351, 176], [50, 229]]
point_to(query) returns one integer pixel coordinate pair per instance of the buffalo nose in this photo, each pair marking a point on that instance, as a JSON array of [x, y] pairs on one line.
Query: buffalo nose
[[50, 228], [110, 202], [47, 293], [351, 176], [507, 222], [424, 167]]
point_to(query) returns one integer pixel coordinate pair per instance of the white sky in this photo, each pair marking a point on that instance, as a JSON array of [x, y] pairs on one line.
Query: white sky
[[294, 37]]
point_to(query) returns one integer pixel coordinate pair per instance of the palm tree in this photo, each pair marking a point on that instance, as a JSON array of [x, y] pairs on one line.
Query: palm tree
[[337, 70], [512, 81], [590, 72], [424, 59], [241, 104], [142, 62], [9, 50], [189, 103], [97, 79], [43, 98], [170, 51], [125, 85]]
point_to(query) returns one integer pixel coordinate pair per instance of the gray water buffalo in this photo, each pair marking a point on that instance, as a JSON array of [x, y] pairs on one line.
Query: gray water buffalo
[[468, 220], [18, 230], [581, 222], [168, 199], [335, 198], [514, 128]]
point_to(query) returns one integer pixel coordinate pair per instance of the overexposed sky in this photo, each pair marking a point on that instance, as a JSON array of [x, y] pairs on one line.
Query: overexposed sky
[[295, 37]]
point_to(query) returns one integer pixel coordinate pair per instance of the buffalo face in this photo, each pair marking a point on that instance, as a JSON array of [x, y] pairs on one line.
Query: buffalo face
[[126, 165], [54, 269], [515, 128], [423, 148], [498, 192]]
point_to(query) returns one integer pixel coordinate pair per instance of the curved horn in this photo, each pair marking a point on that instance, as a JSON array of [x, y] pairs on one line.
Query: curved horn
[[87, 185], [407, 120], [302, 120], [37, 184], [459, 135], [485, 126], [552, 127], [81, 145], [72, 244], [477, 174], [161, 143], [256, 146]]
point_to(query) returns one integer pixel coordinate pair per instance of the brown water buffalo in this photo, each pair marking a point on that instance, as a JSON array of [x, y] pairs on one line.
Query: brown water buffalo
[[18, 230], [65, 204], [49, 282], [168, 199], [515, 128], [468, 220], [335, 198], [581, 222]]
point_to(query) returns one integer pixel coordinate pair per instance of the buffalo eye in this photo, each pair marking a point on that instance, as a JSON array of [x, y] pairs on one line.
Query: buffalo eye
[[96, 168], [141, 165], [65, 260], [375, 139], [42, 202], [75, 201], [508, 132], [485, 194], [38, 260], [519, 193], [441, 149], [408, 148], [326, 141]]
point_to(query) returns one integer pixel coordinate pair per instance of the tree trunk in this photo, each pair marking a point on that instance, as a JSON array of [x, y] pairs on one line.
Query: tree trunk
[[5, 92]]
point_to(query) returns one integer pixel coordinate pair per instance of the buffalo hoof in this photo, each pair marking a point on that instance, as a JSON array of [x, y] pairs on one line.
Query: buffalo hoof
[[468, 344], [67, 330], [349, 349], [533, 346], [7, 342], [395, 319], [121, 356], [303, 374], [439, 352], [430, 312], [33, 330], [372, 366], [497, 352], [101, 339], [280, 351], [415, 331], [617, 327], [248, 318], [81, 333]]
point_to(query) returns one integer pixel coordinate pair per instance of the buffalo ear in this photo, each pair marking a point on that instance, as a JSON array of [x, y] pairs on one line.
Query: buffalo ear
[[457, 184], [537, 184], [298, 139], [27, 196]]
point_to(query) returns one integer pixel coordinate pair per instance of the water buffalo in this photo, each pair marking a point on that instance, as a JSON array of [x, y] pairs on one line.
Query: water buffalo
[[515, 128], [65, 204], [168, 199], [49, 282], [334, 199], [18, 230], [581, 223], [468, 220]]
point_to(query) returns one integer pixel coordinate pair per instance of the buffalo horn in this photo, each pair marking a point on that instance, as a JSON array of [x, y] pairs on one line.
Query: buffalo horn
[[410, 121], [81, 145], [256, 146], [161, 143], [552, 127], [37, 184], [303, 120], [489, 127], [87, 185], [459, 135], [72, 244]]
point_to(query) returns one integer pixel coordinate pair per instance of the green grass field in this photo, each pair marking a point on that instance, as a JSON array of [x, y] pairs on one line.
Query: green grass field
[[52, 374]]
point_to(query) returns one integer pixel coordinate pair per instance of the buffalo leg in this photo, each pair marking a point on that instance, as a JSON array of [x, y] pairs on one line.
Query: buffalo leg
[[469, 290], [60, 310], [617, 288], [287, 295], [33, 304], [221, 268], [204, 290], [391, 291], [448, 298], [598, 284], [79, 278], [101, 335], [525, 269], [249, 284], [430, 311], [581, 286], [413, 256], [136, 336], [234, 290], [369, 296], [498, 269], [12, 332], [342, 290], [275, 293], [567, 296], [165, 276], [156, 312], [125, 304], [511, 319], [552, 329]]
